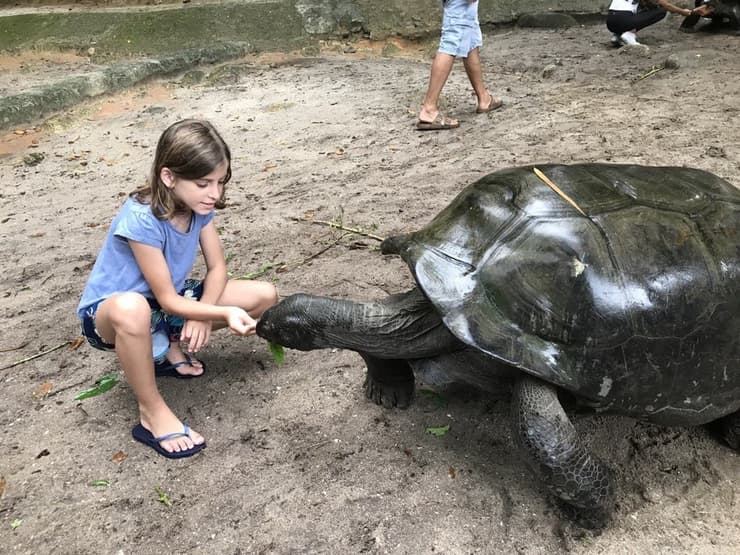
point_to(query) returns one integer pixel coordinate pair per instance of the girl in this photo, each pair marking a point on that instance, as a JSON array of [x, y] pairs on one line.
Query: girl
[[138, 300]]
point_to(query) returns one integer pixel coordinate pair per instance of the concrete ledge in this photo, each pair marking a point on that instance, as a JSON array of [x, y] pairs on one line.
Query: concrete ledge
[[41, 102]]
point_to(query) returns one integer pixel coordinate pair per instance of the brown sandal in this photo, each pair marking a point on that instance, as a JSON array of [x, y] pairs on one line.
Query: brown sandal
[[494, 104], [439, 123]]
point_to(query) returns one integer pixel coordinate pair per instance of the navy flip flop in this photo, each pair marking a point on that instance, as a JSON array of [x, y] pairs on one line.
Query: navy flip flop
[[140, 433], [168, 370]]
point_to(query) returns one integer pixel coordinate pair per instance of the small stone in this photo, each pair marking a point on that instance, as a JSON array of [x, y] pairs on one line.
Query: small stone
[[33, 158], [636, 50], [548, 71], [671, 62]]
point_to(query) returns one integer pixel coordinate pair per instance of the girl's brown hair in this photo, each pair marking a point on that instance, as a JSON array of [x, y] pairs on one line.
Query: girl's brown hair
[[191, 149]]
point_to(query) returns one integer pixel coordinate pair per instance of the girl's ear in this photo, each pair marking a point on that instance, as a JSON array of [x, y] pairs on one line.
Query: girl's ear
[[167, 177]]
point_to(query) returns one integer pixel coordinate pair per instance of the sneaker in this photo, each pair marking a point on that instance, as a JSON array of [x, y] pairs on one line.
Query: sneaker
[[615, 40], [628, 37]]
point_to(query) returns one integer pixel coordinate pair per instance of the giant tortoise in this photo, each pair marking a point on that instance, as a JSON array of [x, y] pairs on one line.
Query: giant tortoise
[[725, 14], [618, 284]]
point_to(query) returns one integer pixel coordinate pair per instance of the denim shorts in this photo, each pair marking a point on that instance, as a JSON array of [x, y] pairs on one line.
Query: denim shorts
[[165, 328], [460, 28]]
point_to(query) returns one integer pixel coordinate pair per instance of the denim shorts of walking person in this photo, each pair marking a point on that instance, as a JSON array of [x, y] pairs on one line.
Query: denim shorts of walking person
[[460, 28], [164, 327]]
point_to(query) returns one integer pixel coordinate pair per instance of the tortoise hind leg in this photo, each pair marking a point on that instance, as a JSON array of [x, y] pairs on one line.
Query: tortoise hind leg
[[389, 382], [553, 451], [730, 429]]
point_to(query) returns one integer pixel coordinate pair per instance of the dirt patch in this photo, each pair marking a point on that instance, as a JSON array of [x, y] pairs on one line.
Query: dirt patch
[[297, 459]]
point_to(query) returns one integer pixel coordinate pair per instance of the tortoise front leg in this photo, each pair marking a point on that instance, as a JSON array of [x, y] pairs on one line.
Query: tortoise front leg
[[554, 452], [730, 429], [389, 382]]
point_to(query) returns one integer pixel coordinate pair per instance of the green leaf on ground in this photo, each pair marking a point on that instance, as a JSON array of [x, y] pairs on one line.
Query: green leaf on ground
[[278, 352], [100, 483], [101, 386], [16, 523], [163, 497], [439, 430], [439, 400]]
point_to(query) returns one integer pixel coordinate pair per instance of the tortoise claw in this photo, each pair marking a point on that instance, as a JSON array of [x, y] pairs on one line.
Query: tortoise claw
[[389, 395], [389, 382]]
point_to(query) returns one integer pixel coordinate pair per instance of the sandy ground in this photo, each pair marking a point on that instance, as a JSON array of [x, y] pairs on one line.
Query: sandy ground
[[297, 460]]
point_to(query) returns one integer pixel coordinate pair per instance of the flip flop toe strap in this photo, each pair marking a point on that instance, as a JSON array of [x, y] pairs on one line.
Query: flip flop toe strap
[[188, 362], [185, 433]]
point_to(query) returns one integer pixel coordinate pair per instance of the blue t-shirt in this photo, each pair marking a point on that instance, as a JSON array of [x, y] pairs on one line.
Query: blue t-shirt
[[116, 269]]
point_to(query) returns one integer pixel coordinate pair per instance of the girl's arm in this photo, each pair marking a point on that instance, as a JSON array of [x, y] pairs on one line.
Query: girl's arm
[[674, 9], [213, 253], [157, 274]]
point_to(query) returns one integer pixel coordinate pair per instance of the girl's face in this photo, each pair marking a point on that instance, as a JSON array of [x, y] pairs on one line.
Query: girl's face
[[199, 195]]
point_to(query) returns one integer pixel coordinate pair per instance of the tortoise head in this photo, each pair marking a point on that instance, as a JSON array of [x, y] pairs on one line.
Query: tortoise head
[[291, 323]]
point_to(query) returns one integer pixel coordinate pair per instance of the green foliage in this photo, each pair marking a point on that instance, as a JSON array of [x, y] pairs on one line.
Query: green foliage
[[163, 497], [439, 400], [439, 430], [101, 386], [278, 352]]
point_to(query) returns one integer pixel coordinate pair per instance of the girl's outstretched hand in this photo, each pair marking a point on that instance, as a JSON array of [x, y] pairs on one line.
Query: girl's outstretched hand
[[240, 323]]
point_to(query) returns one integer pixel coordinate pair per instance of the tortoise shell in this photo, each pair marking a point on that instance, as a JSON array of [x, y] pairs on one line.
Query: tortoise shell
[[633, 305]]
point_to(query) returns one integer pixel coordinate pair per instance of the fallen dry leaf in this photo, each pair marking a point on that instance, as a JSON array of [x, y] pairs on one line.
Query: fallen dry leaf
[[118, 457], [269, 167], [76, 343], [43, 390]]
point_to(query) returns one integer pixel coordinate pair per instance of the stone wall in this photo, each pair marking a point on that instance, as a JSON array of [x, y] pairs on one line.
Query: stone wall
[[163, 25]]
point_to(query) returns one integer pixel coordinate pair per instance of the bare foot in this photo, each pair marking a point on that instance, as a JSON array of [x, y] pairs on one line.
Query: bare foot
[[191, 366], [162, 422], [427, 116], [489, 105]]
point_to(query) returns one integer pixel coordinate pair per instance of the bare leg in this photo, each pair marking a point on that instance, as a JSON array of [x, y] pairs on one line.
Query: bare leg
[[441, 68], [124, 320], [475, 75]]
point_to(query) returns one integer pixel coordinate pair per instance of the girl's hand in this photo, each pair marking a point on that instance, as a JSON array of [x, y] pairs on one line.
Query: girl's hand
[[703, 10], [240, 323], [196, 334]]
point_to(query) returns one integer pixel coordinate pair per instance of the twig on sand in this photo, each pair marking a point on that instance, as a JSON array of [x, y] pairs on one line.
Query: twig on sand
[[653, 71], [14, 348], [341, 227], [283, 267], [37, 355]]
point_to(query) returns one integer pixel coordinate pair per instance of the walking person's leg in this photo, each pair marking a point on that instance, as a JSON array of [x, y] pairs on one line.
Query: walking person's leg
[[441, 68], [486, 101]]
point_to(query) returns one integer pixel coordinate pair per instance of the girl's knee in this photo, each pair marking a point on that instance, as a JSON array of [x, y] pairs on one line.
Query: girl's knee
[[129, 309], [265, 295], [269, 295]]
